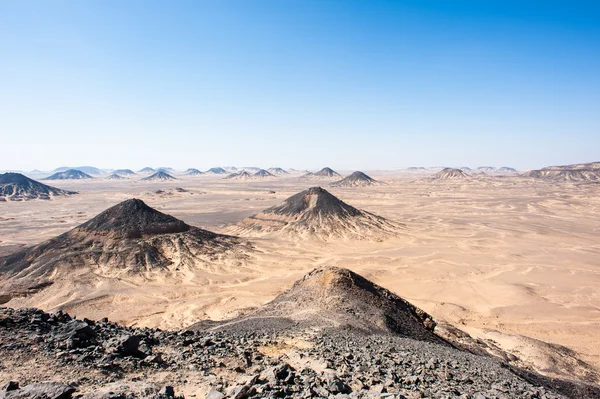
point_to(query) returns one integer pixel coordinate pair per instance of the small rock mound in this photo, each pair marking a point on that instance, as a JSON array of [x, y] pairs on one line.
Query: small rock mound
[[160, 175], [450, 174], [18, 187], [316, 213], [357, 179], [71, 174]]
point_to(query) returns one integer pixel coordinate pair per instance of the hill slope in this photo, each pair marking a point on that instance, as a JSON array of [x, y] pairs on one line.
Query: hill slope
[[160, 175], [450, 174]]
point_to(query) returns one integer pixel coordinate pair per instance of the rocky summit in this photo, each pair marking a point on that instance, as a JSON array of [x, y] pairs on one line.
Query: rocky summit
[[128, 239], [263, 358], [216, 171], [18, 187], [316, 213], [70, 174], [193, 172], [263, 173], [278, 171], [356, 179]]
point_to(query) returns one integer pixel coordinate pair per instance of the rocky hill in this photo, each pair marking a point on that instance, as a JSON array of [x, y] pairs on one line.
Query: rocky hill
[[124, 172], [216, 171], [147, 170], [356, 179], [277, 171], [70, 174], [115, 176], [587, 172], [323, 174], [17, 187], [193, 172], [243, 175], [128, 239], [450, 174], [357, 340], [263, 173], [160, 175], [316, 213]]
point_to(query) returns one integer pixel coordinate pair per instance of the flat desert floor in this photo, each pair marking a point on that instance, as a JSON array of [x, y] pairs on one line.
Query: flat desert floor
[[508, 260]]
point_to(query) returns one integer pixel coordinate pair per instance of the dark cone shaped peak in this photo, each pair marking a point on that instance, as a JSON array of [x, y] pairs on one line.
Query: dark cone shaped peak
[[315, 200], [133, 219]]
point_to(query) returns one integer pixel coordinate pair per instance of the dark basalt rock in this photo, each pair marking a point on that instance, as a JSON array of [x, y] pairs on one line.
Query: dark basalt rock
[[17, 187], [315, 199]]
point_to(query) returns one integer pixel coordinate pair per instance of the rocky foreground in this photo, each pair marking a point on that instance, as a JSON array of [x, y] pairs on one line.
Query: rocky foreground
[[90, 359]]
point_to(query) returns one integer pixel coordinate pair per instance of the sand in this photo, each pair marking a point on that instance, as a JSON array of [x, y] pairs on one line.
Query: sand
[[504, 258]]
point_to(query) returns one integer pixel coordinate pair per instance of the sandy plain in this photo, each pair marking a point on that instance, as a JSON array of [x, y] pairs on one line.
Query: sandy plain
[[509, 260]]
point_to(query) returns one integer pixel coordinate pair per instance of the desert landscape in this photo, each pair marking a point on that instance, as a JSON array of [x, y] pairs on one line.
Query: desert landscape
[[511, 260]]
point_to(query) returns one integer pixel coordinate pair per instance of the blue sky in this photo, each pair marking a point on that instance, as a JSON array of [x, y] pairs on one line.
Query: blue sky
[[349, 84]]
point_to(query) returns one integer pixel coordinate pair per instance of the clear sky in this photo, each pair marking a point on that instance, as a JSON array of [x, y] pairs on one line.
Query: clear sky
[[350, 84]]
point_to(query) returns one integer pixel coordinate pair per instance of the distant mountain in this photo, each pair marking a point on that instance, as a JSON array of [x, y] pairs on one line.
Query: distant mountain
[[160, 176], [505, 170], [356, 179], [71, 174], [115, 176], [416, 168], [325, 173], [165, 169], [216, 171], [250, 169], [17, 187], [263, 173], [243, 175], [147, 170], [586, 172], [450, 174], [124, 172], [193, 172], [277, 171], [487, 169], [85, 169], [316, 213]]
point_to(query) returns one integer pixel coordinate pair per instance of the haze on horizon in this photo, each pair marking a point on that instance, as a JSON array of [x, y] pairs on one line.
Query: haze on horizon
[[305, 84]]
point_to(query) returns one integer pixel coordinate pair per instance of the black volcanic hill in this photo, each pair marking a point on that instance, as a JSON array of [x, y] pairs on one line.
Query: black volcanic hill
[[243, 175], [17, 187], [217, 171], [193, 172], [90, 170], [325, 173], [128, 239], [124, 172], [160, 175], [263, 173], [147, 170], [133, 219], [356, 179], [506, 169], [277, 171], [115, 176], [450, 174], [316, 213], [323, 297], [71, 174]]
